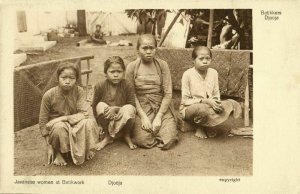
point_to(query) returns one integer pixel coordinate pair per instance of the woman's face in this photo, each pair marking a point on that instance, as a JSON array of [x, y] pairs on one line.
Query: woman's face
[[147, 49], [115, 73], [203, 60], [67, 79]]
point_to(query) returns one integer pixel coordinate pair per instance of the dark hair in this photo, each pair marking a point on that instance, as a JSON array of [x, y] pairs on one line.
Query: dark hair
[[141, 37], [197, 48], [111, 60], [67, 65], [98, 25]]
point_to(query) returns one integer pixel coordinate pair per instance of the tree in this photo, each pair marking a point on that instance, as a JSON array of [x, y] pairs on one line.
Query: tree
[[148, 16]]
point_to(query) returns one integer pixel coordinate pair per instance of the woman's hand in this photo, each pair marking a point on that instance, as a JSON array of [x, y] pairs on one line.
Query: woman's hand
[[156, 124], [50, 154], [110, 112], [146, 124], [215, 104], [50, 124], [118, 116]]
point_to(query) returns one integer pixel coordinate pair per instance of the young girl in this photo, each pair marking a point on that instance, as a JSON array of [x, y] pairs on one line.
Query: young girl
[[113, 103], [200, 104], [64, 122], [156, 122]]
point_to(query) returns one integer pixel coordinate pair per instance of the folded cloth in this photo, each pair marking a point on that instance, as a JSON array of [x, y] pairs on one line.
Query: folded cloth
[[203, 115], [245, 131], [127, 112]]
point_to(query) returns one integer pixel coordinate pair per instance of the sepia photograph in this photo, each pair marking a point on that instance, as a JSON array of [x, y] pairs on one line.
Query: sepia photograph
[[143, 96], [135, 92]]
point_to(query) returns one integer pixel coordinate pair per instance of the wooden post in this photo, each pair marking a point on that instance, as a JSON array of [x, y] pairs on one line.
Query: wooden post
[[169, 28], [210, 28], [53, 61], [81, 22], [87, 79], [246, 106], [186, 34]]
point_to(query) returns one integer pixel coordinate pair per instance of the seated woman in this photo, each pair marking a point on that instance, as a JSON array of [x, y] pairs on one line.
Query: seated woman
[[97, 36], [156, 122], [200, 104], [114, 104], [64, 122]]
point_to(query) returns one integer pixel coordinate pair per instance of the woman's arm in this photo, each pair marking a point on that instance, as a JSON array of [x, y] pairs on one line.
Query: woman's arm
[[98, 93], [167, 88], [44, 114], [130, 78], [129, 91], [186, 96], [43, 120], [146, 124], [82, 108], [216, 90]]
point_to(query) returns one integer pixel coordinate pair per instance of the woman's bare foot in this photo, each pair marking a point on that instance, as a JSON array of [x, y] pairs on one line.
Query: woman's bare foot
[[132, 146], [59, 160], [160, 145], [169, 145], [127, 139], [200, 133], [211, 133], [107, 140], [90, 155]]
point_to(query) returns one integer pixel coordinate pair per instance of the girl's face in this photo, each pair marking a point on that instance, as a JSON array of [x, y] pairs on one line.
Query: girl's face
[[147, 49], [115, 73], [67, 79], [203, 60]]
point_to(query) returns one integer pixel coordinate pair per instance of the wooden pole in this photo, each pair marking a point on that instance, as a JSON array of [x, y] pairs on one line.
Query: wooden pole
[[246, 106], [211, 23], [81, 22], [53, 61], [87, 80], [169, 28]]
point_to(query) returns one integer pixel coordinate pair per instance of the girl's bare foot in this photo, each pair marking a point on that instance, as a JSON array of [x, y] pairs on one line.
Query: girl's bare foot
[[59, 160], [90, 155], [169, 145], [160, 145], [200, 133], [211, 133], [107, 140], [131, 145]]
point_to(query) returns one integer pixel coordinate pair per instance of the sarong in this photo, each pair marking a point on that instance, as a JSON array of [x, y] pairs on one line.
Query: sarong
[[148, 91], [114, 127], [79, 139], [201, 114]]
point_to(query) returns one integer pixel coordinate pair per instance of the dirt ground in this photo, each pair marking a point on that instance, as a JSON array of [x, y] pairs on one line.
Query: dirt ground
[[220, 156]]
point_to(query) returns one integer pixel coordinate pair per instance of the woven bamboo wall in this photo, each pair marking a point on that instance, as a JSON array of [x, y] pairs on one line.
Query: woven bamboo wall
[[232, 66], [30, 84]]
